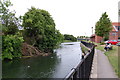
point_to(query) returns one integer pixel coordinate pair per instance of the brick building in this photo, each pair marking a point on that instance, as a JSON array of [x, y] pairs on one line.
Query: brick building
[[115, 33], [95, 38]]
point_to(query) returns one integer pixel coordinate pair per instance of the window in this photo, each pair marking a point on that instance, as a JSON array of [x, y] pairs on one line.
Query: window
[[118, 27], [113, 34]]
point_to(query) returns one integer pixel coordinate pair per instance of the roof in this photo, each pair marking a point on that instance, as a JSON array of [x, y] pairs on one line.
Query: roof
[[116, 23], [93, 35]]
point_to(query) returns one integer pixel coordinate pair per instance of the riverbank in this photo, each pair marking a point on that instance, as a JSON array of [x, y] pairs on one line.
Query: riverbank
[[68, 41], [112, 56], [29, 51]]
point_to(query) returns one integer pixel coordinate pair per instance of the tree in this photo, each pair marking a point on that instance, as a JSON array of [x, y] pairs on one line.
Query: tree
[[12, 43], [103, 26], [11, 47], [69, 37], [39, 29], [8, 20]]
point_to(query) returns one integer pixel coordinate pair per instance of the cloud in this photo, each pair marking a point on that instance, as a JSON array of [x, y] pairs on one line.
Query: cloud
[[71, 16]]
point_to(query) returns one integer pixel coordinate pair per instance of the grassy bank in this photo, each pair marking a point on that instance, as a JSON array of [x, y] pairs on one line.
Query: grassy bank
[[68, 41], [84, 49], [112, 56]]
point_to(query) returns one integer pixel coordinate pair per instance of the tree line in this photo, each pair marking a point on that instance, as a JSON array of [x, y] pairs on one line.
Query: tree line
[[69, 37]]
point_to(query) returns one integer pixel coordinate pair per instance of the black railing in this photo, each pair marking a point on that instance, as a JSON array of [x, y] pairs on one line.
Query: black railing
[[89, 45], [83, 69]]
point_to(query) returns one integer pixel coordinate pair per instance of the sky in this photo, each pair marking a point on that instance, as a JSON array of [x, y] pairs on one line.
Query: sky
[[76, 17]]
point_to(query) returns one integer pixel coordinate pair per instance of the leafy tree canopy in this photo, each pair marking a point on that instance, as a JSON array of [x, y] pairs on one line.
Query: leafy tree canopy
[[8, 20], [103, 26], [69, 37], [39, 29]]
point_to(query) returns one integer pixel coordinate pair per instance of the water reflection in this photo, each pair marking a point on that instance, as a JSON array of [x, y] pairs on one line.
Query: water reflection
[[57, 65], [35, 67]]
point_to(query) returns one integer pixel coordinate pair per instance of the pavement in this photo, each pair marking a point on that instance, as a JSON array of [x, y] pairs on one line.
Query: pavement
[[101, 67]]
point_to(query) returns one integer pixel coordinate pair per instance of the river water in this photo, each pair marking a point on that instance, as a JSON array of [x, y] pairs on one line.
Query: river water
[[57, 65]]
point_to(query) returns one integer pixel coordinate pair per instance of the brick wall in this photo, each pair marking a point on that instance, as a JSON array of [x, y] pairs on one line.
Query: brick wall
[[92, 39], [98, 39], [113, 35], [119, 34]]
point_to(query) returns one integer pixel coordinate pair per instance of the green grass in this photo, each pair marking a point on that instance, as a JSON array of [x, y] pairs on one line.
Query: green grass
[[68, 41], [100, 47], [84, 49], [112, 56]]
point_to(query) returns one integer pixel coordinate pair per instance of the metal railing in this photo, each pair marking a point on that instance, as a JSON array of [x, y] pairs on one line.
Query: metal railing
[[83, 69]]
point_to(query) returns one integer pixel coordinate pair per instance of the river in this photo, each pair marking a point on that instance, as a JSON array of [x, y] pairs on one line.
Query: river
[[57, 65]]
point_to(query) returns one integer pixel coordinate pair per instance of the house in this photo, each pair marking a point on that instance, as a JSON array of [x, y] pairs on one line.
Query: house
[[95, 38], [115, 33], [92, 38]]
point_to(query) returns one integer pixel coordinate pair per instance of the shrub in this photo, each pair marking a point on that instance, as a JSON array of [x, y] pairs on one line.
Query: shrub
[[102, 43], [11, 46]]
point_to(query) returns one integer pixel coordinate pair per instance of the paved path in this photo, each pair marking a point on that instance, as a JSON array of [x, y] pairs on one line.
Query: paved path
[[101, 66]]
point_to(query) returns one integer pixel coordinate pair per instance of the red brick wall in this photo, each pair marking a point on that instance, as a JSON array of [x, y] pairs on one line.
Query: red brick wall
[[119, 33], [92, 39], [113, 35], [98, 39]]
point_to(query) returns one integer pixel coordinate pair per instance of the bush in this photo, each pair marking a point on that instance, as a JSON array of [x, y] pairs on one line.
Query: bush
[[102, 43], [11, 46]]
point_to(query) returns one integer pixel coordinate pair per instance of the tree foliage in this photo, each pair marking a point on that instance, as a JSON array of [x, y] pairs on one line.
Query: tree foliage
[[103, 26], [11, 46], [82, 37], [39, 29], [8, 20], [69, 37], [11, 43]]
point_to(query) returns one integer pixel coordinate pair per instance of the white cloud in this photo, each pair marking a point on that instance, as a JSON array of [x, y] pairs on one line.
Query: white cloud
[[72, 16]]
